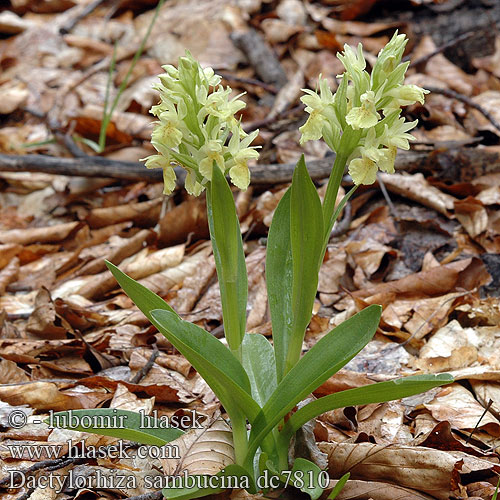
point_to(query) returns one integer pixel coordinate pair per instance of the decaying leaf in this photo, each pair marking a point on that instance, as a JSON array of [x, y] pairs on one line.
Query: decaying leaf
[[202, 451]]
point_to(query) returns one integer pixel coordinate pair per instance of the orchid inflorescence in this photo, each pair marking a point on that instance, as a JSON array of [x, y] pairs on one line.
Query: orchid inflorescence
[[197, 129], [363, 116]]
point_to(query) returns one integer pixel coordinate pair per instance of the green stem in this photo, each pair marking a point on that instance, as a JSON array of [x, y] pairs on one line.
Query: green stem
[[332, 190], [240, 438]]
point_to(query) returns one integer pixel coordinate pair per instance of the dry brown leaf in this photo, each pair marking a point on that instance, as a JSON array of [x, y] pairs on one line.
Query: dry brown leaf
[[143, 264], [419, 317], [278, 31], [121, 130], [8, 274], [26, 351], [10, 373], [434, 472], [472, 215], [203, 451], [145, 214], [123, 399], [115, 249], [415, 187], [8, 252], [450, 348], [163, 281], [464, 274], [490, 102], [457, 405], [44, 322], [46, 396], [367, 254], [188, 218], [50, 234]]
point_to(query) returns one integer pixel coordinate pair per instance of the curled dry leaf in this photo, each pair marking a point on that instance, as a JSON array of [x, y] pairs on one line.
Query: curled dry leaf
[[50, 234], [11, 373], [450, 348], [47, 396], [188, 218], [123, 399], [415, 187], [419, 317], [144, 214], [203, 451], [464, 274], [44, 321], [8, 274], [490, 102], [458, 406], [472, 215]]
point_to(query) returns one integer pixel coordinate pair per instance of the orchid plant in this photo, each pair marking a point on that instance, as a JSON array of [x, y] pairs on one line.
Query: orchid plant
[[260, 383]]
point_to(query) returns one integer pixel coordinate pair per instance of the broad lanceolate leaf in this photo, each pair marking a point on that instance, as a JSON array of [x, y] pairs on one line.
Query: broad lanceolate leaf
[[279, 280], [229, 257], [324, 359], [306, 236], [375, 393], [214, 362], [143, 298], [122, 424], [258, 361]]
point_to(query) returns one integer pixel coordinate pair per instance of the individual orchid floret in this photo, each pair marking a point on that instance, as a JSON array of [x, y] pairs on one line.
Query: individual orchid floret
[[362, 122], [364, 116], [241, 153], [197, 128], [406, 95], [169, 177], [316, 106], [397, 135]]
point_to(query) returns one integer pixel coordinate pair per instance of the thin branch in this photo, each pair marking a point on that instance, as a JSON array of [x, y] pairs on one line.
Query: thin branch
[[147, 367]]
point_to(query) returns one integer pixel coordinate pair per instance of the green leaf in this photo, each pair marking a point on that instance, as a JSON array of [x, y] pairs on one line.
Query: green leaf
[[229, 257], [375, 393], [279, 280], [338, 487], [129, 425], [143, 298], [306, 236], [496, 490], [324, 359], [258, 361], [214, 362], [310, 482]]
